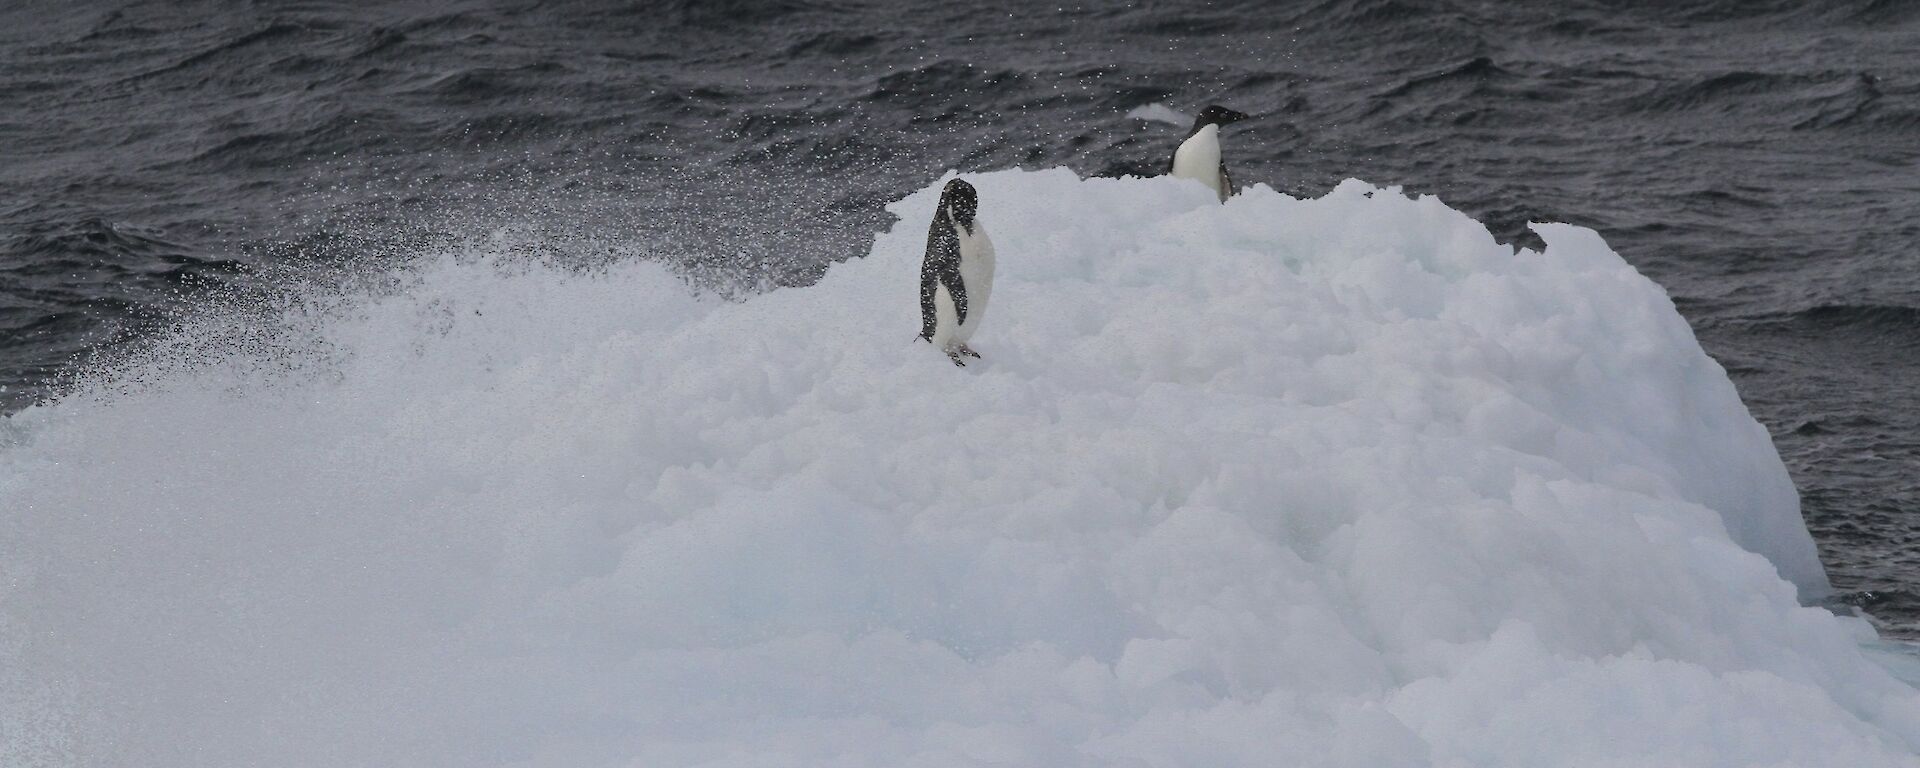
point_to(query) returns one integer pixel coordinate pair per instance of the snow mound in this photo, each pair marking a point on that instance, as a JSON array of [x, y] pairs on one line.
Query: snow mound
[[1328, 482]]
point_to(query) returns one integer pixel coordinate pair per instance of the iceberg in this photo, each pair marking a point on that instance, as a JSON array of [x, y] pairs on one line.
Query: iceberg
[[1327, 482]]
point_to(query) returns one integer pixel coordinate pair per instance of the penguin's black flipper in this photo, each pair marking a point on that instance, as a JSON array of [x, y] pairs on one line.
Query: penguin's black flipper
[[957, 288], [941, 267], [1226, 181], [928, 317]]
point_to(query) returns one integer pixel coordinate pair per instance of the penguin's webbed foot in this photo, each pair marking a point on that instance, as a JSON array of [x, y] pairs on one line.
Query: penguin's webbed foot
[[968, 351], [954, 355]]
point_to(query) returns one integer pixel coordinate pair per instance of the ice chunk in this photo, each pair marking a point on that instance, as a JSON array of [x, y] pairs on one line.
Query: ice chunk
[[1277, 482]]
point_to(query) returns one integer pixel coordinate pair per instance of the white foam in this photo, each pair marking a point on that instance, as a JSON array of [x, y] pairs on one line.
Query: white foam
[[1160, 113], [1275, 482]]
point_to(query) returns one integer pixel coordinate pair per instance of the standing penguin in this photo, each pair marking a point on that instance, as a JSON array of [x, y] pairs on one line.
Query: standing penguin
[[957, 274], [1198, 157]]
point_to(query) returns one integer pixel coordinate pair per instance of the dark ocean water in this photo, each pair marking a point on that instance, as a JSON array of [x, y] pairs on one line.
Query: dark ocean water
[[1759, 159]]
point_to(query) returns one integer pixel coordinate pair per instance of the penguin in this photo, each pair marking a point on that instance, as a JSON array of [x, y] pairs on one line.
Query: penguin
[[1198, 157], [956, 276]]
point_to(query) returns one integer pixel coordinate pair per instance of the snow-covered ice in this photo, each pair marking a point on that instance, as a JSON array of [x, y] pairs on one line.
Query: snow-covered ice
[[1328, 482]]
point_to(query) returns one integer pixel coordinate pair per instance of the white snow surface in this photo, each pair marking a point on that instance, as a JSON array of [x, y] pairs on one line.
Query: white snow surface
[[1332, 482]]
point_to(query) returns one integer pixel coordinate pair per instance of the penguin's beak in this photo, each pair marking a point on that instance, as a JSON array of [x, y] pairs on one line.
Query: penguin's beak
[[1233, 117]]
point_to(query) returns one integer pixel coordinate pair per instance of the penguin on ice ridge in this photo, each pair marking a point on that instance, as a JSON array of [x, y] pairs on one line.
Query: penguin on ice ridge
[[957, 274], [1198, 157]]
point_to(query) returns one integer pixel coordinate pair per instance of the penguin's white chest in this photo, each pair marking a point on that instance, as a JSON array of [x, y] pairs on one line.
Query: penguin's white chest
[[976, 273], [1198, 158]]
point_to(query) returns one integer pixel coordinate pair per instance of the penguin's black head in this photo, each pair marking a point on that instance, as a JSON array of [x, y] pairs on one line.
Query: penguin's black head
[[1215, 114], [961, 202]]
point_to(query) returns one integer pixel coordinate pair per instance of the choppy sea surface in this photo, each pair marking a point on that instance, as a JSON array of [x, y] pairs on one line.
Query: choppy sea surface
[[1760, 159]]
